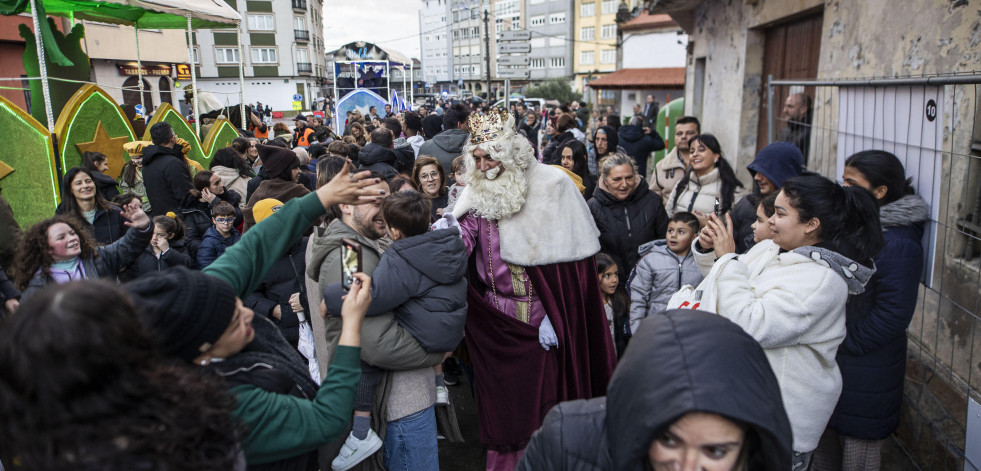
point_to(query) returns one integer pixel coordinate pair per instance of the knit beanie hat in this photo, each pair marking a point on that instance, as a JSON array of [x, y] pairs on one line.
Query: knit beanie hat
[[265, 208], [186, 310], [778, 162], [276, 160]]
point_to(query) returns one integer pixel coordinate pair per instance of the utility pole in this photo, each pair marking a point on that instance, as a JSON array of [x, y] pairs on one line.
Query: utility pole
[[487, 52]]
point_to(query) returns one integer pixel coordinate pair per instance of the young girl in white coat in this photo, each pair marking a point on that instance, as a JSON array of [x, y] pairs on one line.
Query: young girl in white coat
[[789, 292]]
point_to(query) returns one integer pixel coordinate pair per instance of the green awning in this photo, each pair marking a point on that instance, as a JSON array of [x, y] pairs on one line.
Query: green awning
[[152, 14]]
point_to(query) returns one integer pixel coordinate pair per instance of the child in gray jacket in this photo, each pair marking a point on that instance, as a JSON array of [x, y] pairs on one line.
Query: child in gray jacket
[[420, 278], [666, 265]]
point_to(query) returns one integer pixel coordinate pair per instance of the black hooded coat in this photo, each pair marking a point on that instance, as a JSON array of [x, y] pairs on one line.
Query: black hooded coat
[[684, 361]]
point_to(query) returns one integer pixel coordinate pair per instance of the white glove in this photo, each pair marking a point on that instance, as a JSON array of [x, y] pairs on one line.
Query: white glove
[[446, 222], [546, 335]]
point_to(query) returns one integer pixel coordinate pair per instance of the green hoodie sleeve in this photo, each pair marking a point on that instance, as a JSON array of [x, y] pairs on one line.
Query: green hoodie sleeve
[[283, 426], [245, 264]]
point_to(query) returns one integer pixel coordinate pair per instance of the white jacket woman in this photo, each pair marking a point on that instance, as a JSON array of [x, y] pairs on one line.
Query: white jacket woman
[[789, 293], [710, 180]]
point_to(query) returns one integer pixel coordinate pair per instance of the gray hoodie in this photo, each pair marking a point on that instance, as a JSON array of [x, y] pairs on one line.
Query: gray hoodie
[[659, 274], [445, 146]]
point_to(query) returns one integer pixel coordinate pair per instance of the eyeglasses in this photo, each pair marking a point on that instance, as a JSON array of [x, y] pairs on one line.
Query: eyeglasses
[[224, 220], [429, 176]]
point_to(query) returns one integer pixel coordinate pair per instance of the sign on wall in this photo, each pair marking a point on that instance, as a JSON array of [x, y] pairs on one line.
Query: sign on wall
[[908, 122]]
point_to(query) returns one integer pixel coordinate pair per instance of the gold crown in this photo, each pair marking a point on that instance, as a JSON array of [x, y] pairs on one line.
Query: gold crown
[[489, 127]]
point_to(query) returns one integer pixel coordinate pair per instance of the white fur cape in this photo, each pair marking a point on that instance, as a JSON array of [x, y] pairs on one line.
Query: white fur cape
[[553, 226]]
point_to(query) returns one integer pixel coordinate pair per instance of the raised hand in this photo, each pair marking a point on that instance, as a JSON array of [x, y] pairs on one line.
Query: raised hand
[[348, 188], [134, 215]]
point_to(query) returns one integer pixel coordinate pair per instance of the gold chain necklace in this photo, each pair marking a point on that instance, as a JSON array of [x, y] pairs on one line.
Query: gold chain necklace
[[490, 265]]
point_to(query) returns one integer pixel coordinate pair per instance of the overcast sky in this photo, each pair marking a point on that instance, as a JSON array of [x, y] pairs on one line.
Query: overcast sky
[[391, 24]]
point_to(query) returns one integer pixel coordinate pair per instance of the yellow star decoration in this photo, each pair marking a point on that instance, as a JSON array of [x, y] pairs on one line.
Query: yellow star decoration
[[112, 147], [5, 169]]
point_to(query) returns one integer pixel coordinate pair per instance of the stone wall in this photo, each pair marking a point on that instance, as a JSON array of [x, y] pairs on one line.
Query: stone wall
[[863, 39]]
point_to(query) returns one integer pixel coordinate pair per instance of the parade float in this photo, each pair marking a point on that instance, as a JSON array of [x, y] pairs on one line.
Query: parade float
[[72, 116]]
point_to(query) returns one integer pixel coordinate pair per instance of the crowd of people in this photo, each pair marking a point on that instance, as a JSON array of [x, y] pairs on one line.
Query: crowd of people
[[307, 300]]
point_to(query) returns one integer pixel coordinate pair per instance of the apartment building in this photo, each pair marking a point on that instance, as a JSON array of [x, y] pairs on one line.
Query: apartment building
[[551, 23], [284, 54], [595, 52], [436, 45]]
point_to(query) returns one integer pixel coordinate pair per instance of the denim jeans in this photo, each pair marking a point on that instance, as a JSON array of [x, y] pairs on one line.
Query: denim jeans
[[410, 442]]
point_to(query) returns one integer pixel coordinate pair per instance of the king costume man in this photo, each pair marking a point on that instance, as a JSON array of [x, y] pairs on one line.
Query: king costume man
[[536, 329]]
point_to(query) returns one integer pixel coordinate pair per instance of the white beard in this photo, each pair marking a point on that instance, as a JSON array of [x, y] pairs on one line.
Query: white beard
[[498, 194]]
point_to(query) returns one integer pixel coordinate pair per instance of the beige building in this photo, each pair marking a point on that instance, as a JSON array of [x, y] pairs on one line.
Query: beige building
[[595, 53], [112, 50]]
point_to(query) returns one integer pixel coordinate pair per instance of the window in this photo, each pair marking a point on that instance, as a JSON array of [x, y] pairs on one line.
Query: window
[[263, 55], [195, 55], [608, 56], [608, 31], [299, 23], [261, 23], [538, 63], [226, 55], [537, 43], [557, 62], [538, 20], [609, 6], [587, 33], [587, 9], [301, 55], [535, 2], [499, 28], [586, 57], [557, 41], [557, 18], [516, 23]]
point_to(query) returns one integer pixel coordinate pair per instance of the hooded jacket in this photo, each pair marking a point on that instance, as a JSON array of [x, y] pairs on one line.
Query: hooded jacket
[[681, 362], [626, 224], [196, 216], [612, 142], [873, 356], [377, 158], [422, 279], [166, 176], [639, 145], [793, 304], [233, 181], [659, 274], [551, 155], [445, 146], [778, 162]]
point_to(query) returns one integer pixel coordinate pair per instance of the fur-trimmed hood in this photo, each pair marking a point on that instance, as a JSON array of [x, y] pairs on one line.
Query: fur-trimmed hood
[[906, 211]]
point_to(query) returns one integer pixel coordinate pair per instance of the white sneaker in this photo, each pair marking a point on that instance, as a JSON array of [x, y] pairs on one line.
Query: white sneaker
[[355, 451], [442, 395]]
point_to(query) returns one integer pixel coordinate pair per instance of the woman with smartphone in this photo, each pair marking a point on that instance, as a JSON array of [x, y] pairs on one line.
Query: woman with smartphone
[[710, 176]]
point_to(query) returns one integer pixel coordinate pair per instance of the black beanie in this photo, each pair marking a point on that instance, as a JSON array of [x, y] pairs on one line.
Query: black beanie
[[186, 310], [276, 160]]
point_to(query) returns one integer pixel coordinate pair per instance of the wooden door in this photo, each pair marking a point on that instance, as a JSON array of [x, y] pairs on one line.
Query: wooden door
[[790, 51]]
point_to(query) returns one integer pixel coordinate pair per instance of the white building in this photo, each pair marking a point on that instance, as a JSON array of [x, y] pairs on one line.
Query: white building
[[284, 54], [435, 44]]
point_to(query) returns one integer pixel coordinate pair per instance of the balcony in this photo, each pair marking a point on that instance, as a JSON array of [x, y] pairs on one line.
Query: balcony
[[301, 35], [300, 5], [304, 67]]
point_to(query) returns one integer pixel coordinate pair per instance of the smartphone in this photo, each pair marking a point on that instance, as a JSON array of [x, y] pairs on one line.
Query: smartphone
[[718, 211], [350, 262]]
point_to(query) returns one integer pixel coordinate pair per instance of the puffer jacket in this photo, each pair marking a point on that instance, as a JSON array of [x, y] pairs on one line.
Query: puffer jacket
[[676, 364], [873, 356], [659, 274], [214, 245], [196, 216], [700, 194], [625, 224], [148, 262], [666, 174], [377, 158], [107, 262], [108, 225], [384, 343], [284, 278], [422, 279]]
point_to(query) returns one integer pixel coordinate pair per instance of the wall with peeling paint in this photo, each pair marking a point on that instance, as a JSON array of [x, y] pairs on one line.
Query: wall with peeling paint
[[864, 39]]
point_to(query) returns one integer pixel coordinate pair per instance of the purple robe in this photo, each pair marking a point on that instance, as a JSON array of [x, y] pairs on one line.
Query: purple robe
[[517, 381]]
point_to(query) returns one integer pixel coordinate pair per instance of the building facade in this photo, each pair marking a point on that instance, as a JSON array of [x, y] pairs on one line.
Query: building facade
[[595, 52], [551, 24], [283, 54], [436, 45]]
